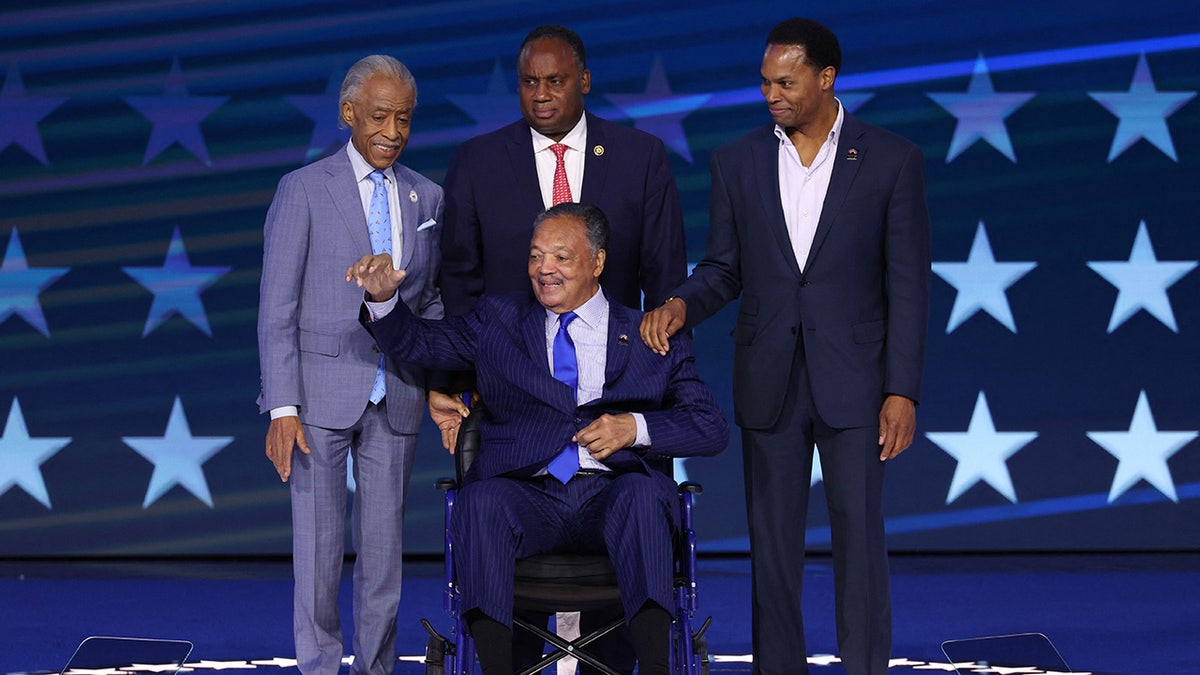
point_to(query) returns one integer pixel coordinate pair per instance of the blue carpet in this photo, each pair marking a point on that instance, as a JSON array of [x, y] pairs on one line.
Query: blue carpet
[[1114, 614]]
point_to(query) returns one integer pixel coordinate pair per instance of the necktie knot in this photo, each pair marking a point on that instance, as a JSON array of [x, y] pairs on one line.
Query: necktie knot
[[376, 177], [559, 150], [565, 319]]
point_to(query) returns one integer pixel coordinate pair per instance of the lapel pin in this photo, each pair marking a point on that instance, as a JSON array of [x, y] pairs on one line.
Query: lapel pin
[[598, 150], [623, 339], [412, 196], [852, 154]]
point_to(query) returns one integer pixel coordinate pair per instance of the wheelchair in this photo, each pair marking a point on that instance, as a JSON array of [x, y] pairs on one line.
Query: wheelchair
[[565, 582]]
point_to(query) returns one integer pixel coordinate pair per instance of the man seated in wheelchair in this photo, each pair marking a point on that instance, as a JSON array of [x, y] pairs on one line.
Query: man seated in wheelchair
[[582, 418]]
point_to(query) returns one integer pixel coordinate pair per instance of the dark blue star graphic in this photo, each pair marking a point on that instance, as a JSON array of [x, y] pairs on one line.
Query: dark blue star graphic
[[322, 109], [20, 114], [176, 116], [492, 109]]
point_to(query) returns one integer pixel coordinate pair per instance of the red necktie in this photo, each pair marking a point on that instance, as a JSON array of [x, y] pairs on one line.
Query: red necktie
[[562, 190]]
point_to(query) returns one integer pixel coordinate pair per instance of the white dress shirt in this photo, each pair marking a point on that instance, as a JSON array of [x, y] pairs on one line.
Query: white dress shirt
[[543, 157], [802, 188]]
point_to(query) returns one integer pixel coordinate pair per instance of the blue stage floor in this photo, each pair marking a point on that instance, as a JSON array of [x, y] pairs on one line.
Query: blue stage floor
[[1115, 614]]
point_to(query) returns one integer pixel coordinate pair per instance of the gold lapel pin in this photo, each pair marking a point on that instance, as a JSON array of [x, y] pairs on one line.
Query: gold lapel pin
[[852, 154], [598, 151], [622, 339]]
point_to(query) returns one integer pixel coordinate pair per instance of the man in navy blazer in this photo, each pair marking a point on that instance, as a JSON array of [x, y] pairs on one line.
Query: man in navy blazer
[[323, 383], [499, 182], [632, 411], [819, 222]]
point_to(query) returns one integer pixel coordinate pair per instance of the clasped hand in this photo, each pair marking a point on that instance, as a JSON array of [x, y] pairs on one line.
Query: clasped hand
[[607, 434], [376, 276]]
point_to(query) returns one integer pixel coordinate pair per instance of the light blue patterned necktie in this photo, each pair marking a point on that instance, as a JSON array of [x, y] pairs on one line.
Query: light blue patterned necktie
[[379, 223], [566, 370]]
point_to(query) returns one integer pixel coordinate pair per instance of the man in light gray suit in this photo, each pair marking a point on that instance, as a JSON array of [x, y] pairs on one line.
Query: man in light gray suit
[[329, 391]]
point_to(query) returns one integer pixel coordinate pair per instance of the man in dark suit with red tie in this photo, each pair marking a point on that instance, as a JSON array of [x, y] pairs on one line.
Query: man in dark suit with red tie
[[582, 425], [819, 222]]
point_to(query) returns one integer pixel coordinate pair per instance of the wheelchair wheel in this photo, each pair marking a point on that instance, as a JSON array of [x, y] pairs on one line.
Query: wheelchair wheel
[[700, 649], [436, 648]]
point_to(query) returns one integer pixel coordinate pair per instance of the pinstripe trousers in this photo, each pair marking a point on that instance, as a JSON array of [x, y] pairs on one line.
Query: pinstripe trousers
[[498, 520]]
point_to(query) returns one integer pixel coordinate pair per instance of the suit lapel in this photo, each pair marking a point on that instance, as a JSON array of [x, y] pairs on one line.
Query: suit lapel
[[533, 333], [527, 194], [343, 193], [595, 164], [851, 153], [765, 160], [409, 214], [620, 328]]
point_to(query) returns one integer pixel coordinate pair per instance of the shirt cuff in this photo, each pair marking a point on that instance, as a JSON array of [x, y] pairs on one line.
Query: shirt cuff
[[285, 411], [378, 310], [643, 434]]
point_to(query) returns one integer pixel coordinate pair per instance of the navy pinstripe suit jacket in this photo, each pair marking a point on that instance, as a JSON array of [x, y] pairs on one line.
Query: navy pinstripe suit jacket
[[531, 414]]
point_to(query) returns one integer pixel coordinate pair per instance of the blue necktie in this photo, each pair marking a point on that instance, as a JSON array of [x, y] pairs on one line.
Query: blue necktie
[[566, 370], [379, 223]]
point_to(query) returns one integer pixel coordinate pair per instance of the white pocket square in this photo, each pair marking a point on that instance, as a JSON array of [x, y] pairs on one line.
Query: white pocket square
[[426, 225]]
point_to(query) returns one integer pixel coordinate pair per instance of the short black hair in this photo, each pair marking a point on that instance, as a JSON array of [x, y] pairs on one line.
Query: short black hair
[[591, 216], [821, 49], [554, 31]]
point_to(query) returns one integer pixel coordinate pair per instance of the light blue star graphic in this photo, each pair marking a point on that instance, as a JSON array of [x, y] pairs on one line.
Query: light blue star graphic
[[20, 114], [981, 283], [177, 456], [494, 108], [1142, 112], [1142, 282], [176, 287], [20, 286], [176, 116], [21, 457], [659, 112], [322, 109], [981, 452], [981, 112], [1142, 452]]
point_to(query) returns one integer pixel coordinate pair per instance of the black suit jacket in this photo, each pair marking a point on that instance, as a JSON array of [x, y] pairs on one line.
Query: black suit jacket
[[492, 197]]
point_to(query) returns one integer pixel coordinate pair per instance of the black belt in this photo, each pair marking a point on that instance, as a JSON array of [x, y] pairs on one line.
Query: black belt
[[591, 472]]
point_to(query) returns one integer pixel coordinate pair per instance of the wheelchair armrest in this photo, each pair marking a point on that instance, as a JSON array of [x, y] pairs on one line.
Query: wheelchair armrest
[[446, 484], [689, 486], [467, 446]]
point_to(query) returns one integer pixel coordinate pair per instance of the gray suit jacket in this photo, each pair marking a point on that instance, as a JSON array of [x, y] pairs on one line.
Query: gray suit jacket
[[314, 353]]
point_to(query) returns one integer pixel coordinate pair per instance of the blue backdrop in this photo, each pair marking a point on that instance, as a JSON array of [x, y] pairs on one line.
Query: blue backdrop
[[140, 144]]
